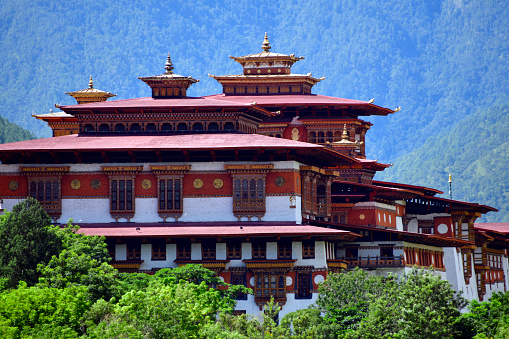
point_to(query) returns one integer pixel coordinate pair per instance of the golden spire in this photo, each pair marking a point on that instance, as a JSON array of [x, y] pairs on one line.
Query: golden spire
[[168, 66], [90, 82], [266, 44], [344, 136]]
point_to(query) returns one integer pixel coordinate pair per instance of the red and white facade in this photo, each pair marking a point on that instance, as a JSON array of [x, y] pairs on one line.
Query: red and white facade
[[266, 184]]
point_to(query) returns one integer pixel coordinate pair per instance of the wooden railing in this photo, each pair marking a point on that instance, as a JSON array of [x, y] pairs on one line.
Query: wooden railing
[[375, 262]]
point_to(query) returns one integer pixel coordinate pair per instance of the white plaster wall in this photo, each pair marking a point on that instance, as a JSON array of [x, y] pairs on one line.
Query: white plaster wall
[[430, 216], [171, 255], [293, 304], [413, 226], [320, 259], [80, 211], [453, 263], [121, 252], [8, 204], [505, 266], [492, 288], [248, 305], [399, 223], [146, 256], [287, 165], [277, 208], [271, 250], [208, 209], [376, 204], [11, 168], [221, 251], [146, 210], [196, 251]]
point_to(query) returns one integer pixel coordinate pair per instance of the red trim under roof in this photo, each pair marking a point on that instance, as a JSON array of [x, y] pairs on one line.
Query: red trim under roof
[[213, 229]]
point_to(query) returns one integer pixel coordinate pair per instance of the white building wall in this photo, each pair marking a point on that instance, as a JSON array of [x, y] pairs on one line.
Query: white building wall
[[80, 211], [453, 263], [121, 252], [271, 253], [221, 251]]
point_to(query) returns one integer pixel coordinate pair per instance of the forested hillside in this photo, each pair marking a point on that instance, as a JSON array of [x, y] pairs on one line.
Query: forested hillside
[[10, 132], [441, 61]]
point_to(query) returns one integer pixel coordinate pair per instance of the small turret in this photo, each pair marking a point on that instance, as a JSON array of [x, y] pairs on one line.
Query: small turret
[[90, 94], [168, 85]]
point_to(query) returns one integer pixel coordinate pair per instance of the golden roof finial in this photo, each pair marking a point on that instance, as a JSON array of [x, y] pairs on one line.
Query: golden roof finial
[[168, 66], [90, 82], [344, 136], [266, 44]]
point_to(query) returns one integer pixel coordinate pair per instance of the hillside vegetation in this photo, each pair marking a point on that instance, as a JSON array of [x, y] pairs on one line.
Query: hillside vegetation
[[441, 61]]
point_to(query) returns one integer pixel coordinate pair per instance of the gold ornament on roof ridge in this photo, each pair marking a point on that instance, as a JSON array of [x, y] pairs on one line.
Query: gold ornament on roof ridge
[[266, 44], [90, 82], [168, 66]]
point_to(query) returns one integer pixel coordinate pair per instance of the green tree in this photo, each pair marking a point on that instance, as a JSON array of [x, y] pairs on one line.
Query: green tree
[[419, 305], [26, 240], [83, 261]]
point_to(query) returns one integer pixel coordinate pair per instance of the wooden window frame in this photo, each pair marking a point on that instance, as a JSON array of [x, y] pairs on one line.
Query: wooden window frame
[[234, 250], [259, 250], [270, 284], [284, 249], [158, 249], [304, 282], [208, 250], [240, 279], [48, 191], [184, 250], [169, 194], [308, 249], [249, 196], [133, 251], [122, 195]]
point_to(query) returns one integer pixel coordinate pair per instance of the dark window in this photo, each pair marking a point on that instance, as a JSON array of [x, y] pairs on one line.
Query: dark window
[[312, 137], [308, 249], [182, 127], [47, 192], [284, 250], [240, 279], [170, 195], [197, 126], [184, 250], [321, 138], [259, 250], [104, 128], [150, 128], [135, 128], [119, 128], [249, 195], [158, 249], [213, 126], [166, 127], [229, 126], [352, 252], [111, 248], [134, 250], [88, 128], [122, 198], [387, 251], [304, 285], [208, 251], [233, 250]]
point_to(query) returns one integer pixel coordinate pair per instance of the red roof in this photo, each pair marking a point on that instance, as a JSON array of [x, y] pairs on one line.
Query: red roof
[[207, 230], [501, 227], [77, 142], [425, 190]]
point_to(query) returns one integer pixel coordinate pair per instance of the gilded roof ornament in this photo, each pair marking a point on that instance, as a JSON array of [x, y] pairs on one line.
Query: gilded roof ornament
[[90, 82], [266, 44], [168, 66]]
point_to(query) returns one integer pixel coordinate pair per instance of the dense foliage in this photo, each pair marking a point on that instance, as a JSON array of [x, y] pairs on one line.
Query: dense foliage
[[10, 132], [442, 61]]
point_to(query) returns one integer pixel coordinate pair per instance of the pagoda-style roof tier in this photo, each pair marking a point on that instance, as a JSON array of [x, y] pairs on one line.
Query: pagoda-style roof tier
[[55, 116], [168, 84], [304, 102], [430, 204], [90, 94], [494, 227], [171, 148], [214, 230], [346, 189], [425, 190], [266, 62]]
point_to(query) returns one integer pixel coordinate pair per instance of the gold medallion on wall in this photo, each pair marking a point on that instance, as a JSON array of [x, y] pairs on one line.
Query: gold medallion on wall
[[75, 184], [198, 183], [13, 185], [95, 183], [218, 183], [280, 181], [146, 184]]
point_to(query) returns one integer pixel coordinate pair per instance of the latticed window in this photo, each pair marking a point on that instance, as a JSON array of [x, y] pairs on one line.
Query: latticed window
[[47, 192], [240, 279], [122, 197], [249, 195], [158, 249], [133, 251], [304, 285], [208, 251], [170, 195], [234, 250], [269, 284], [184, 251], [284, 250], [259, 250], [308, 249]]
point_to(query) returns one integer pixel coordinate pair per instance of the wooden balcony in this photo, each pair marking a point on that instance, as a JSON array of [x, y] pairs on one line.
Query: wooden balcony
[[127, 266], [375, 262]]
